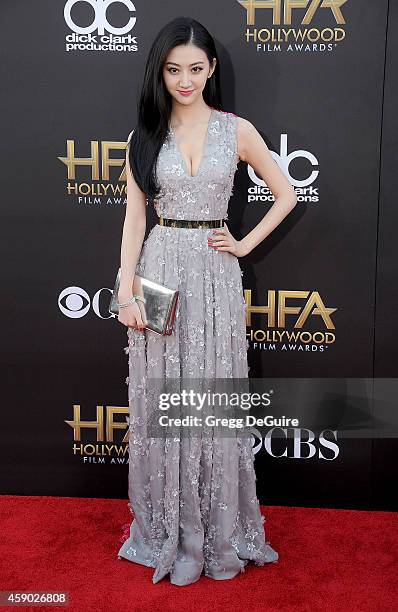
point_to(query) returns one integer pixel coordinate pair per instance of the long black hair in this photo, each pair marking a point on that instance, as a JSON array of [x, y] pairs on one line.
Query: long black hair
[[155, 102]]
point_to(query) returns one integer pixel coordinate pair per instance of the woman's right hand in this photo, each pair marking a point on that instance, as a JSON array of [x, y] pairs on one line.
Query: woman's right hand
[[132, 316]]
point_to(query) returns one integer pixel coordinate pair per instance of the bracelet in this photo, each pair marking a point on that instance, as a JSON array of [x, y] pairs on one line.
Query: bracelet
[[130, 301], [133, 299], [140, 298]]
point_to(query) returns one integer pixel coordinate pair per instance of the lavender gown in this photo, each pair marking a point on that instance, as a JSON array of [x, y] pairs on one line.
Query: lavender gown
[[193, 500]]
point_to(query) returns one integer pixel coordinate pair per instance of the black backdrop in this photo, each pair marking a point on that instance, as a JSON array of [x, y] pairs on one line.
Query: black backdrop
[[320, 88]]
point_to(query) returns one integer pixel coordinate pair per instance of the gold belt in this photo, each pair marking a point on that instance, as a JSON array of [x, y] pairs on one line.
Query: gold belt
[[200, 223]]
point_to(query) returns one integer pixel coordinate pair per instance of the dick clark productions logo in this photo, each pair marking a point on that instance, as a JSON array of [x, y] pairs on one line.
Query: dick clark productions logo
[[100, 21]]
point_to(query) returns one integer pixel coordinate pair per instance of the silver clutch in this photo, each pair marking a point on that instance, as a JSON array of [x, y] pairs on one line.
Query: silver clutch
[[160, 307]]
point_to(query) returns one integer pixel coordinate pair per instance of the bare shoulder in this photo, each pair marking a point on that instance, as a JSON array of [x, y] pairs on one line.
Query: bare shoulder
[[244, 125], [246, 135], [129, 136]]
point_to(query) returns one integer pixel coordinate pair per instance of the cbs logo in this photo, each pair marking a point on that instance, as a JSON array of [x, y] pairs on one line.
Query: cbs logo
[[75, 303], [303, 444]]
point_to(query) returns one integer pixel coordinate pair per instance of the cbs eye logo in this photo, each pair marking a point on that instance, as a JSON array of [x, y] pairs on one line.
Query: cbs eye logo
[[256, 440], [75, 303]]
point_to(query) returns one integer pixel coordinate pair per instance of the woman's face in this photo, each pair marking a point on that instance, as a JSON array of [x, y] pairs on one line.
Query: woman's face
[[186, 69]]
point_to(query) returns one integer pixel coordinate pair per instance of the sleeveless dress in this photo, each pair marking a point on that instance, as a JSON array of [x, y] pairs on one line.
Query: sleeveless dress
[[193, 500]]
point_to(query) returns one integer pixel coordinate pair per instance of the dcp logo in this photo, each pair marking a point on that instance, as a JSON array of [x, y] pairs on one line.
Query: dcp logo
[[100, 21], [284, 160]]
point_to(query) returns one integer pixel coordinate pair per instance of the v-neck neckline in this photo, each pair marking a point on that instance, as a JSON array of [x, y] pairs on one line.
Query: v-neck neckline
[[186, 171]]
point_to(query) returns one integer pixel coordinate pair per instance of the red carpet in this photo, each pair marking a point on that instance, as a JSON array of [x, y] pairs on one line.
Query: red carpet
[[329, 560]]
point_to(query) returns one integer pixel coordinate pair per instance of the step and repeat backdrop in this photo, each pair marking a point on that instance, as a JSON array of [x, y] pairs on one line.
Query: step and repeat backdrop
[[319, 82]]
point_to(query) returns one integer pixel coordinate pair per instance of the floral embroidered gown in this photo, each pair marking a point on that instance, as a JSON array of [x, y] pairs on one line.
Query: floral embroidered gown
[[193, 500]]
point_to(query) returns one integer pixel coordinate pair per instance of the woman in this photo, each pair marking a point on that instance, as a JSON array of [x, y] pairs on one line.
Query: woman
[[193, 499]]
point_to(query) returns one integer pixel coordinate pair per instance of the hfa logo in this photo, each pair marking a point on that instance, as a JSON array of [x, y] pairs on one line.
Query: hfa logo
[[275, 333], [98, 188], [104, 449], [84, 37], [305, 37]]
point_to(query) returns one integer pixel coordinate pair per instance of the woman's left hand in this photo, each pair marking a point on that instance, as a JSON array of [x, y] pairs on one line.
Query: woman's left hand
[[222, 240]]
